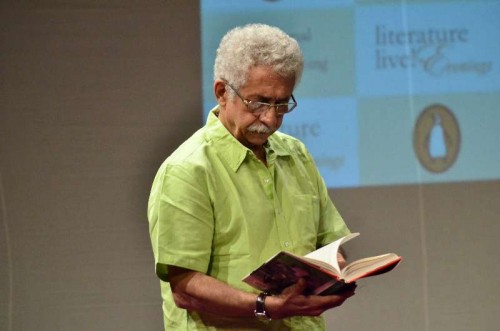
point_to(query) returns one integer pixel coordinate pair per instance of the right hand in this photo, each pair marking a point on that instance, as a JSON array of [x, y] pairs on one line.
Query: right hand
[[292, 302]]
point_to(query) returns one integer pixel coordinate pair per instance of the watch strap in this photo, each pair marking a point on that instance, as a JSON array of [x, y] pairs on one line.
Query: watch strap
[[260, 307]]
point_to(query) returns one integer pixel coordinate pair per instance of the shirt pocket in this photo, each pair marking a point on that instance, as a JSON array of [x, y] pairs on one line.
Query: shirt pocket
[[303, 219]]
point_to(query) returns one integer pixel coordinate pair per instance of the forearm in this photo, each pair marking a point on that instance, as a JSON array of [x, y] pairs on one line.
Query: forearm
[[195, 291], [198, 292]]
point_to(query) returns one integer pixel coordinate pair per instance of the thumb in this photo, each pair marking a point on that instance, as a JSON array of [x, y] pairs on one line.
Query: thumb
[[297, 288]]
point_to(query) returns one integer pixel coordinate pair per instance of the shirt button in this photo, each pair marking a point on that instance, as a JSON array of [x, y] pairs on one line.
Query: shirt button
[[287, 244], [266, 180]]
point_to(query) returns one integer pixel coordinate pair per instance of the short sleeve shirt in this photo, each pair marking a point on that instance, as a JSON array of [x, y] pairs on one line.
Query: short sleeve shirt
[[215, 208]]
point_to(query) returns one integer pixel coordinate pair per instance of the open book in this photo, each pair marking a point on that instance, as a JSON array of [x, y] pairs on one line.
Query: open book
[[320, 269]]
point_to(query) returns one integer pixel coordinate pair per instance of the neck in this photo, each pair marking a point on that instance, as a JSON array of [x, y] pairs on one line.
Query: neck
[[260, 152]]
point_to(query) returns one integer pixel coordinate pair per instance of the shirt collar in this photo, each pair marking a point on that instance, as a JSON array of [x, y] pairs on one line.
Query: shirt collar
[[230, 148]]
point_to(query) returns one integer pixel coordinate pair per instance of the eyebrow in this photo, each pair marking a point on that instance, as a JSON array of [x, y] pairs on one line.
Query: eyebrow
[[260, 98]]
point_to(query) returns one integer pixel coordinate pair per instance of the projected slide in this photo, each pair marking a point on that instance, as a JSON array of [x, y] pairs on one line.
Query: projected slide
[[393, 92]]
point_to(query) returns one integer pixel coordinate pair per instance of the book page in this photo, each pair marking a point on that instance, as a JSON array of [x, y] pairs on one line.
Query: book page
[[322, 265], [328, 253], [370, 266]]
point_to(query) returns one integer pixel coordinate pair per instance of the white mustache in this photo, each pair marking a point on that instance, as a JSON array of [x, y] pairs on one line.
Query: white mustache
[[259, 128]]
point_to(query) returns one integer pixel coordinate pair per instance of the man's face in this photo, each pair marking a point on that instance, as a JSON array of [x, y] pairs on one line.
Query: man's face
[[262, 85]]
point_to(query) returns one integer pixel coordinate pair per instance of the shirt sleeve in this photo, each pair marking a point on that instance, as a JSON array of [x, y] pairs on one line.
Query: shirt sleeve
[[331, 224], [181, 219]]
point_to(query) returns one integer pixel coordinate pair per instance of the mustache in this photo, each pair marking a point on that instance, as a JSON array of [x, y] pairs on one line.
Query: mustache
[[259, 128]]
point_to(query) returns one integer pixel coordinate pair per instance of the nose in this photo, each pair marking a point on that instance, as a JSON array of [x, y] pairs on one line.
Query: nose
[[270, 117]]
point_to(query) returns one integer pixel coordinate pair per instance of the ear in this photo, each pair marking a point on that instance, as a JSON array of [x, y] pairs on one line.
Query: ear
[[220, 92]]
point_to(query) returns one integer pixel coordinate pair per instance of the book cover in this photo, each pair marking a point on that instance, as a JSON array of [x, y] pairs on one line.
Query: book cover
[[321, 273]]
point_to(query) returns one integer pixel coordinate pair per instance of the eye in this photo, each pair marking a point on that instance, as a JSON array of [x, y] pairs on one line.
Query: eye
[[282, 109], [256, 105]]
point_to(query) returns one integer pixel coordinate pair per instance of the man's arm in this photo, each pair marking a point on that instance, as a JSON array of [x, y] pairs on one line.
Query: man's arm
[[196, 291]]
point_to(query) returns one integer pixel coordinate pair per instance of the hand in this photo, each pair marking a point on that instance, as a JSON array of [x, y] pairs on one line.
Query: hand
[[292, 302], [341, 260]]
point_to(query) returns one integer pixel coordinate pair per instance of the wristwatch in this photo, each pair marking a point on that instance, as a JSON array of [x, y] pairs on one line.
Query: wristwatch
[[260, 307]]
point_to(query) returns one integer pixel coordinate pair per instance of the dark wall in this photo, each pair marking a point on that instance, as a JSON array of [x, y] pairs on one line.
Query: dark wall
[[94, 95]]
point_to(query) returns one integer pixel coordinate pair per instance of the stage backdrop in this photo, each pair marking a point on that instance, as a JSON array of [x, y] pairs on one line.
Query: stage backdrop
[[393, 92], [95, 94]]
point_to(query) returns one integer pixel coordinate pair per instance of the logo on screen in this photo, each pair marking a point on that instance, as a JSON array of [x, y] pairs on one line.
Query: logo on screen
[[436, 138]]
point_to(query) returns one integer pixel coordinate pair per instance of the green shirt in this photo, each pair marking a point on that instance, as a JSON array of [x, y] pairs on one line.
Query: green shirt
[[215, 208]]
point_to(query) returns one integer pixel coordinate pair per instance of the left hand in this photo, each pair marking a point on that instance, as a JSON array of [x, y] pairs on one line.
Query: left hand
[[341, 260]]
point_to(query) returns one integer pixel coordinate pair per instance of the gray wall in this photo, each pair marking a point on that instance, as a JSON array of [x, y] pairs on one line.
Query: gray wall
[[93, 96]]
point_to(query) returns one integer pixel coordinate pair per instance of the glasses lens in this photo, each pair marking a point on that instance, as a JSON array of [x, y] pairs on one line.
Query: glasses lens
[[285, 108], [257, 107], [281, 109]]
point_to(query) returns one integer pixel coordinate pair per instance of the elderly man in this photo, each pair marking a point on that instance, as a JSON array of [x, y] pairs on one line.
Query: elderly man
[[237, 192]]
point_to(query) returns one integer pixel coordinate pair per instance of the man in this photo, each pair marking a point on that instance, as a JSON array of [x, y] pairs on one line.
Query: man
[[236, 193]]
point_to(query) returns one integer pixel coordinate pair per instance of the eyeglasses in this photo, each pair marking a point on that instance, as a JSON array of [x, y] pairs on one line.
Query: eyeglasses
[[257, 107]]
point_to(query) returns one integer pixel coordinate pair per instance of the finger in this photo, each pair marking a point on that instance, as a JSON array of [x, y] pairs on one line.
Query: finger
[[341, 260], [348, 290], [297, 288]]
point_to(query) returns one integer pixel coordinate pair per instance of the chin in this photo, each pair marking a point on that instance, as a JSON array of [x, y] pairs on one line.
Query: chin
[[258, 139]]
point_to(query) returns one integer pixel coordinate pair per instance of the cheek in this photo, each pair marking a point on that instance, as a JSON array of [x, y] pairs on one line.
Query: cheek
[[276, 124], [243, 134], [239, 118], [279, 121], [245, 121]]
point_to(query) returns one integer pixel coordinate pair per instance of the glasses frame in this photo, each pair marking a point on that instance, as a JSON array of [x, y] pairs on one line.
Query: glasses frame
[[263, 107]]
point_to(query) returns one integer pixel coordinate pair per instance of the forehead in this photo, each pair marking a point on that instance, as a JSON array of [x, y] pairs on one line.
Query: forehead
[[263, 81]]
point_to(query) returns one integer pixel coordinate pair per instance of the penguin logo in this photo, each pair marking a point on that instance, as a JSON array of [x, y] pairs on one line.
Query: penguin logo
[[436, 138]]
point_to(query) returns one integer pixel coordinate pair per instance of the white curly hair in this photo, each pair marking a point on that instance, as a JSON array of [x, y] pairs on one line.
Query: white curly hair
[[257, 45]]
